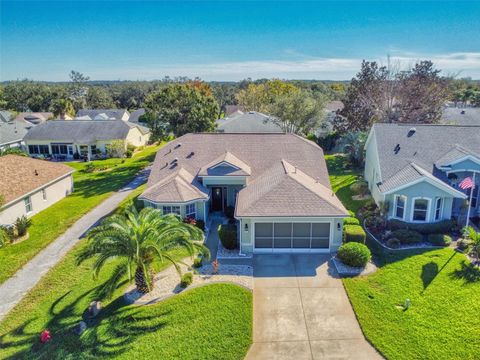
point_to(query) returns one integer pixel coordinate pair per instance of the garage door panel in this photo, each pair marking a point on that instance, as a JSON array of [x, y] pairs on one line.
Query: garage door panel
[[320, 229], [263, 243], [320, 243]]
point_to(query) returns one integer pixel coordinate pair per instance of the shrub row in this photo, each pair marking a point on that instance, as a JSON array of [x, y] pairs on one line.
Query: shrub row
[[228, 235], [440, 227], [354, 254], [354, 233], [439, 239], [351, 221], [405, 237]]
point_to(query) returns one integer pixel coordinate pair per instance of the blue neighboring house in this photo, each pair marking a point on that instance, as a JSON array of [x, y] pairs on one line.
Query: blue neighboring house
[[417, 170]]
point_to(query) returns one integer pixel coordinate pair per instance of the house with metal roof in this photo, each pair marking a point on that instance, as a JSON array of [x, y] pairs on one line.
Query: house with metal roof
[[276, 184], [417, 170], [64, 138]]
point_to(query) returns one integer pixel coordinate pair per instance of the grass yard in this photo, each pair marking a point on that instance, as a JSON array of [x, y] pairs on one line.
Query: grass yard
[[210, 322], [341, 177], [90, 190], [442, 321]]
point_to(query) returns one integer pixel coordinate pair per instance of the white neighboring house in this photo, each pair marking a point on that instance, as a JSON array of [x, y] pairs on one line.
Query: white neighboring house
[[103, 114], [63, 139], [29, 186], [12, 131]]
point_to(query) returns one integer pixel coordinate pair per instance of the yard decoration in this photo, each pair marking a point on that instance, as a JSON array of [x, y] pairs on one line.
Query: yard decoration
[[45, 336]]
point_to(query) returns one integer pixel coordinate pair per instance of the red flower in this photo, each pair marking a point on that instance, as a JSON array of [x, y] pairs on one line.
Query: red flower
[[45, 336]]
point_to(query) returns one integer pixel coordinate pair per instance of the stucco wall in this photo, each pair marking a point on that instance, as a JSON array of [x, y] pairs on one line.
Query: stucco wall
[[372, 168], [54, 192], [136, 138]]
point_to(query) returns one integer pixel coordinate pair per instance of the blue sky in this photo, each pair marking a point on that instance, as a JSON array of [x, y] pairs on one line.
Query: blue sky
[[226, 40]]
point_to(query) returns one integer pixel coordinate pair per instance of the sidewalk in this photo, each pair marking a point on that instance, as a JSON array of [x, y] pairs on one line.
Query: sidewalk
[[13, 290]]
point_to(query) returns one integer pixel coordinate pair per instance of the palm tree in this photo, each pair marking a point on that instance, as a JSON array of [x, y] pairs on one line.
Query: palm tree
[[475, 241], [353, 144], [138, 238]]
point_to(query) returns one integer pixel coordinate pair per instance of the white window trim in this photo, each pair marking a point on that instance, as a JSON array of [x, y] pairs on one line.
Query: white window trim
[[29, 198], [440, 216], [427, 217], [171, 209], [190, 213], [395, 202], [44, 194]]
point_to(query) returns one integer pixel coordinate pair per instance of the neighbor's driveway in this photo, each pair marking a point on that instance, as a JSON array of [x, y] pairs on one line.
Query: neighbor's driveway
[[301, 311]]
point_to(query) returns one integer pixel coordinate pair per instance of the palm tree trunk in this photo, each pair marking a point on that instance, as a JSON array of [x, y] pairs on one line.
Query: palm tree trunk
[[141, 281]]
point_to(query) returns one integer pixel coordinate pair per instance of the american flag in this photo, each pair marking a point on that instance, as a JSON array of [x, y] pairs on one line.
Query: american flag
[[466, 183]]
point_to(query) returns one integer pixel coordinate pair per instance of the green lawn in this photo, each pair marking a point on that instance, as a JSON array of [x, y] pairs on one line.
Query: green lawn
[[90, 190], [442, 321], [341, 177]]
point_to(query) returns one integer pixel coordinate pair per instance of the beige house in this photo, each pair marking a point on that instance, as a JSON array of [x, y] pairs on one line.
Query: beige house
[[64, 139], [29, 186]]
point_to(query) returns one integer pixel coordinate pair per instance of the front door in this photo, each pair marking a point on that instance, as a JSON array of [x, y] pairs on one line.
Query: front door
[[217, 203]]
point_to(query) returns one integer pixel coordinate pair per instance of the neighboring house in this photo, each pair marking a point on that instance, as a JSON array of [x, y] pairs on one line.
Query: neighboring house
[[12, 132], [417, 169], [278, 185], [103, 114], [231, 110], [62, 139], [29, 185], [135, 115], [251, 122], [461, 115], [35, 118], [332, 109]]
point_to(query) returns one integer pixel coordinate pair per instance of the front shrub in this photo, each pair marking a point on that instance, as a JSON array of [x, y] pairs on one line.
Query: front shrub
[[351, 221], [393, 243], [407, 236], [354, 254], [354, 233], [440, 227], [359, 188], [463, 244], [439, 239], [228, 235], [22, 224], [197, 263], [186, 280]]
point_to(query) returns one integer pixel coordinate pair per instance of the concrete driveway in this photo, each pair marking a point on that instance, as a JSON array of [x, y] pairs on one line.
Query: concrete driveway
[[301, 311]]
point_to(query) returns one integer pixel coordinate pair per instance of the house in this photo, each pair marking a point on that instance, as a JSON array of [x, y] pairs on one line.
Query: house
[[103, 114], [35, 118], [62, 139], [416, 170], [250, 122], [461, 115], [12, 131], [331, 111], [278, 185], [231, 110], [135, 115], [29, 186]]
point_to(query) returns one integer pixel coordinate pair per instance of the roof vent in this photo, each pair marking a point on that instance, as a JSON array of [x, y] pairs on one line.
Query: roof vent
[[178, 145], [36, 172], [411, 131], [397, 149], [169, 151], [174, 161], [173, 165], [190, 155], [462, 112]]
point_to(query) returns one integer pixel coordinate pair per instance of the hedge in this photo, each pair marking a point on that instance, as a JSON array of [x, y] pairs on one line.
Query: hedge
[[407, 236], [440, 227], [354, 254], [439, 239], [228, 235], [354, 233], [351, 221]]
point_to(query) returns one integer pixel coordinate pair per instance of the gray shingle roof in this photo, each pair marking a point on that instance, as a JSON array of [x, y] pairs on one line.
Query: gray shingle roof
[[80, 131], [453, 115], [288, 174], [13, 131], [425, 148], [251, 122], [115, 114], [135, 115]]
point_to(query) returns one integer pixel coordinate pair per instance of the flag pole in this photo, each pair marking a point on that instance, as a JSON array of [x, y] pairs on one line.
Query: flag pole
[[470, 201]]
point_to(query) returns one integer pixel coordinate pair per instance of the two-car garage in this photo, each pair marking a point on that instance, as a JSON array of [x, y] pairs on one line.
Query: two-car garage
[[292, 236]]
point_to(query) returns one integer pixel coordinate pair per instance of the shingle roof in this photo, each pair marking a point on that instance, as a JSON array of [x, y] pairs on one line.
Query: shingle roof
[[20, 175], [115, 114], [81, 131], [454, 115], [5, 116], [135, 115], [251, 122], [219, 166], [13, 131], [282, 167], [426, 147], [35, 117]]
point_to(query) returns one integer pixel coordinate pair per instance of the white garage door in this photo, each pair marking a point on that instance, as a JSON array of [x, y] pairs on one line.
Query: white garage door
[[292, 236]]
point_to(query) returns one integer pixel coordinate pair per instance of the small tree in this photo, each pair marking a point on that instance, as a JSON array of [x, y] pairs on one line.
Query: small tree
[[353, 144], [116, 149], [475, 242]]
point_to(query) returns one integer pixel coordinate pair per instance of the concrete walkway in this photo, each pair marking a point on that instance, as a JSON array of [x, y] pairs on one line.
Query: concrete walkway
[[13, 290], [301, 311]]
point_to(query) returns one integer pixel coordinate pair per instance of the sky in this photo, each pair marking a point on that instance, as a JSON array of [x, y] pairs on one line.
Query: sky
[[228, 40]]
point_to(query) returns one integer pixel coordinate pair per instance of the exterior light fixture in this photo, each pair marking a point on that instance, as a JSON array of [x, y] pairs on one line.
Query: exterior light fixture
[[338, 226], [246, 227]]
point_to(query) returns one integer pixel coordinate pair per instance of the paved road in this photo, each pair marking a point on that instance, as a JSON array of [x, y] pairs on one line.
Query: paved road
[[12, 290], [301, 311]]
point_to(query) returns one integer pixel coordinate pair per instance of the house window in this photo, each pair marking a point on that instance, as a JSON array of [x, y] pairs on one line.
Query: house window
[[400, 201], [93, 149], [33, 149], [44, 194], [28, 204], [171, 210], [438, 208], [59, 149], [420, 209], [190, 211]]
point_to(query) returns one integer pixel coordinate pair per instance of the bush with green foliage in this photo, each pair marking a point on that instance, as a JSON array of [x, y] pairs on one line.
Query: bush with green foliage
[[359, 188], [393, 243], [354, 254], [440, 227], [228, 235], [200, 224], [130, 150], [463, 244], [351, 221], [407, 236], [198, 262], [22, 224], [354, 233], [439, 239], [187, 279]]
